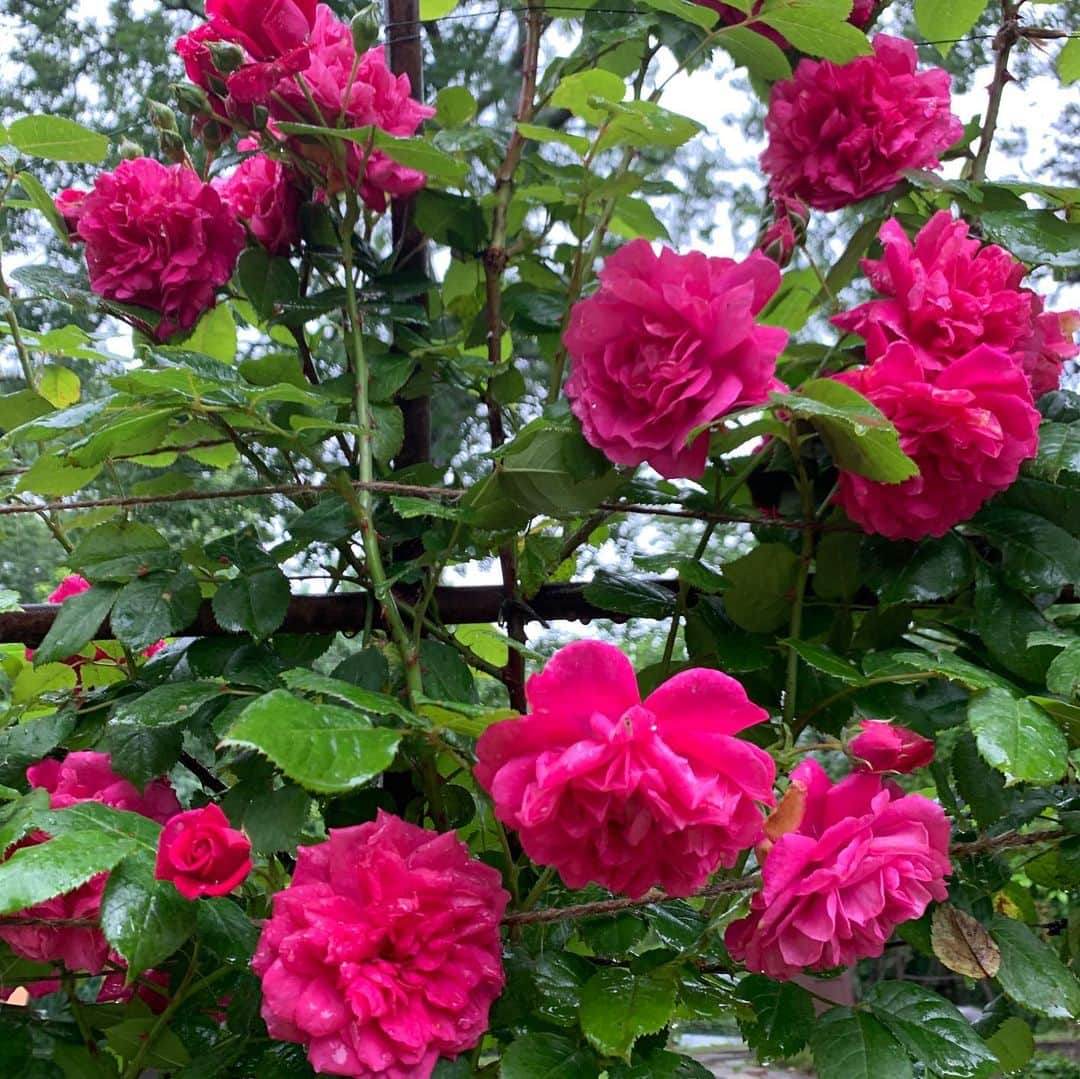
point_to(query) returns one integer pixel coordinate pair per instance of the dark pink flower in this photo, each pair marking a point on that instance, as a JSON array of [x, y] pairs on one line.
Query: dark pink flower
[[863, 859], [265, 29], [336, 95], [968, 428], [886, 747], [383, 954], [946, 292], [630, 795], [262, 194], [159, 238], [69, 205], [839, 133], [787, 232], [83, 776], [201, 854], [669, 344]]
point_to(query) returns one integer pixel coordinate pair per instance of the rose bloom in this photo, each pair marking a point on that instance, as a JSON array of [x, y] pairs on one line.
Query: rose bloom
[[946, 292], [274, 39], [968, 429], [860, 859], [372, 95], [201, 854], [839, 133], [262, 195], [158, 237], [383, 954], [666, 345], [885, 747], [83, 776], [630, 795]]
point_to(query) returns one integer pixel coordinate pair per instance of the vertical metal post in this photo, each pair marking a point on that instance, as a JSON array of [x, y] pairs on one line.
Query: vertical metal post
[[405, 55]]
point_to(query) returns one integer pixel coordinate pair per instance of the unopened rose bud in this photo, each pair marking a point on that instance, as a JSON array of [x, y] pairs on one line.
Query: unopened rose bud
[[129, 150], [191, 99], [162, 117], [365, 27], [225, 56], [212, 135], [172, 146]]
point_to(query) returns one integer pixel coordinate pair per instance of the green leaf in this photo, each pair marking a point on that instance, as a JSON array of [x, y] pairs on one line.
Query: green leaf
[[21, 407], [559, 978], [623, 594], [619, 1006], [77, 623], [826, 661], [1013, 1043], [1068, 61], [1018, 738], [127, 1038], [546, 1056], [1037, 556], [56, 475], [266, 280], [144, 919], [818, 28], [1063, 675], [43, 203], [59, 865], [436, 9], [854, 1045], [93, 817], [32, 682], [254, 603], [762, 584], [155, 606], [226, 930], [454, 105], [934, 569], [932, 1030], [692, 13], [59, 386], [324, 748], [982, 788], [783, 1016], [755, 52], [946, 21], [273, 818], [538, 133], [166, 705], [1036, 237], [1059, 449], [580, 91], [1031, 973], [379, 704], [214, 335], [857, 434], [446, 674], [18, 819], [57, 139], [142, 752], [120, 550], [1005, 620]]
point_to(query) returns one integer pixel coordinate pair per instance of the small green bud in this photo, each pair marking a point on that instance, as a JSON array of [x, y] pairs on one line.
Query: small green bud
[[191, 99], [161, 116], [172, 146], [129, 150], [365, 28], [226, 56]]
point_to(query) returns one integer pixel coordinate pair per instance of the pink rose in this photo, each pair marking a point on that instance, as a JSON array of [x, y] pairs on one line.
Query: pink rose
[[383, 954], [863, 858], [265, 30], [69, 205], [201, 854], [839, 133], [886, 747], [629, 795], [262, 195], [159, 238], [946, 292], [370, 95], [83, 776], [779, 240], [968, 429], [669, 344]]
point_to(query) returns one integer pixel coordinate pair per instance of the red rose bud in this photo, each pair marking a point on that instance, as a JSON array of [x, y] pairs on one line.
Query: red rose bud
[[201, 854], [883, 747]]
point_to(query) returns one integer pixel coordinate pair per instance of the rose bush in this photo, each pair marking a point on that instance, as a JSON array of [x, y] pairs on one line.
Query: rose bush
[[411, 828]]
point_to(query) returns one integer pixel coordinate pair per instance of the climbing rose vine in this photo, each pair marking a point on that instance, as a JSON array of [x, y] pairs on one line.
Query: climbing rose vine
[[779, 671]]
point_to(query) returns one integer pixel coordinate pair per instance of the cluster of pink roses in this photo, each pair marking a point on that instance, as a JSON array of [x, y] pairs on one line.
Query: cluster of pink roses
[[163, 239], [957, 352]]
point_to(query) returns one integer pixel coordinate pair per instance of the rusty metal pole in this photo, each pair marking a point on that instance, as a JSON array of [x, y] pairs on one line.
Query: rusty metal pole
[[405, 54]]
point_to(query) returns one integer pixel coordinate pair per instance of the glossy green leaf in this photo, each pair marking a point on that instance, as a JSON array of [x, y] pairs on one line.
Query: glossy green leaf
[[1037, 556], [1013, 1043], [254, 603], [783, 1016], [623, 594], [546, 1056], [77, 623], [380, 704], [619, 1006], [324, 748], [1018, 738], [819, 28], [944, 22], [854, 1045], [762, 586], [1032, 974], [56, 138], [1037, 237], [155, 606]]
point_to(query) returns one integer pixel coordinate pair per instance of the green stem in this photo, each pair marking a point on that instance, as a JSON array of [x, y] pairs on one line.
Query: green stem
[[362, 500], [791, 682], [135, 1068], [537, 889]]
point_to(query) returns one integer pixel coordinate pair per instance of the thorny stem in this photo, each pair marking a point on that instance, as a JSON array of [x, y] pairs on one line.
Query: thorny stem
[[1007, 37], [361, 500], [495, 261]]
